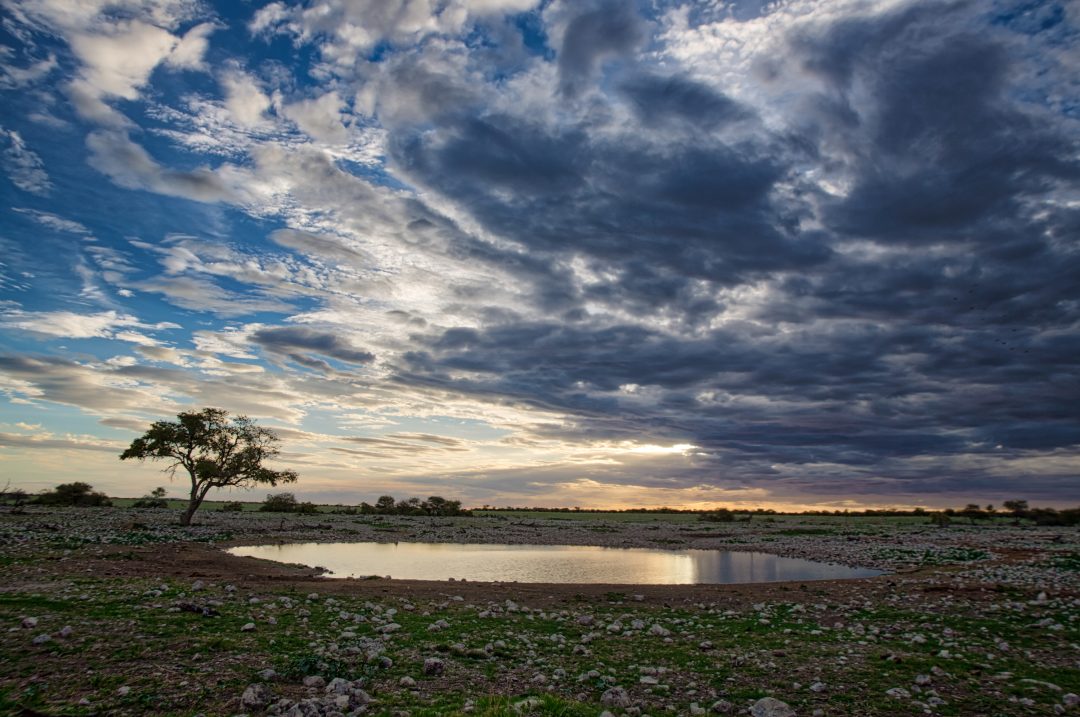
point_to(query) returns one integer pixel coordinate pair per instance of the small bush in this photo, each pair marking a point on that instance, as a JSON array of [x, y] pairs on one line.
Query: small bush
[[279, 503], [723, 515], [233, 506], [307, 508], [77, 493], [155, 499]]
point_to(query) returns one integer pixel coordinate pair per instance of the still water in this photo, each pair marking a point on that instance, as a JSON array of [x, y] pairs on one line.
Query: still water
[[548, 563]]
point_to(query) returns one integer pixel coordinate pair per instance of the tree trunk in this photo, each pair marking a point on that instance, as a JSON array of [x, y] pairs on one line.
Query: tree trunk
[[194, 501], [193, 505]]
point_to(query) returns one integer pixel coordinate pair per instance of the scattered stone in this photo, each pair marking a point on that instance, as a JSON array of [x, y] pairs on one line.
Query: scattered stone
[[407, 681], [65, 632], [247, 627], [29, 622], [256, 696], [615, 697], [204, 610], [771, 707], [314, 681], [433, 666], [898, 692], [721, 707], [42, 639], [527, 705]]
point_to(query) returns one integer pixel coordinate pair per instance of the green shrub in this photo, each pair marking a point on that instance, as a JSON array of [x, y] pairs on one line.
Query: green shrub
[[279, 503], [721, 515], [77, 493], [155, 499], [233, 506]]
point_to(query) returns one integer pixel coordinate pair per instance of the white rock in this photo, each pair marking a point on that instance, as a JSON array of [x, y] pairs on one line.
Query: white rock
[[771, 707], [247, 627], [615, 697], [256, 696]]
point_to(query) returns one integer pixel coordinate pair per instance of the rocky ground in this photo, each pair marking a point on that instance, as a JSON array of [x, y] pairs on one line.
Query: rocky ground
[[118, 611]]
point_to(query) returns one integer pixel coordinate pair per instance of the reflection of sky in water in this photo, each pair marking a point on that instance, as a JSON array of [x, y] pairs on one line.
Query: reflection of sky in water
[[548, 563]]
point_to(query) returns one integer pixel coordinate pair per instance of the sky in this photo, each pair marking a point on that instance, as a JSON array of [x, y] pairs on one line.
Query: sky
[[793, 254]]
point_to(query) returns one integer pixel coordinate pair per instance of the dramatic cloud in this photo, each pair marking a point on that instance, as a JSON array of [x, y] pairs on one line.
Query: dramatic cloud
[[591, 253]]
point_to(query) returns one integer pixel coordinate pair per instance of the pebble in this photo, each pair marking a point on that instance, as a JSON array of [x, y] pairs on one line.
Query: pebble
[[29, 622], [247, 627], [433, 666]]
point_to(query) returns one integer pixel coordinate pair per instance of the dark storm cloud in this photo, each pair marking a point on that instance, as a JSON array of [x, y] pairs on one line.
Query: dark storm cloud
[[292, 340], [941, 148], [667, 213], [679, 100], [610, 30], [947, 333]]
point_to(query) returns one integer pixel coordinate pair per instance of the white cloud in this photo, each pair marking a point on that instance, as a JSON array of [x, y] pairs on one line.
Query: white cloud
[[355, 27], [246, 102], [53, 221], [114, 154], [119, 45], [23, 167], [12, 77], [321, 118], [189, 51], [69, 324]]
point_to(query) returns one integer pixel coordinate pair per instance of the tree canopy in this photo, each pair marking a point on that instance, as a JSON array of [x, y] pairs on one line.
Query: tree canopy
[[216, 451]]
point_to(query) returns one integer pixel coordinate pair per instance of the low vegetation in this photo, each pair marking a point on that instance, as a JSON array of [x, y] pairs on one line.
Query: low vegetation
[[78, 493], [977, 619]]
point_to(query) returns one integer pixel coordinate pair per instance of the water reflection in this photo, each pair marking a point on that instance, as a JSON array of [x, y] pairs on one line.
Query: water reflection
[[549, 563]]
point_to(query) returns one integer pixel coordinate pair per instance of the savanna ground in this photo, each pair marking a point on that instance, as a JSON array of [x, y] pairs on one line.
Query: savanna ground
[[117, 611]]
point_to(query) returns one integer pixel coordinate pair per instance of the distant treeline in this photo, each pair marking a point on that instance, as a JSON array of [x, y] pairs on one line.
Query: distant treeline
[[435, 506], [702, 511], [83, 494], [1017, 510]]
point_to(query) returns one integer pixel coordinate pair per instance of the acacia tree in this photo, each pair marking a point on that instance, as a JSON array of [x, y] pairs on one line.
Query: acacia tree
[[216, 452]]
